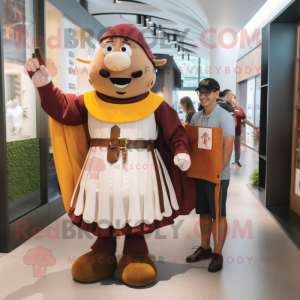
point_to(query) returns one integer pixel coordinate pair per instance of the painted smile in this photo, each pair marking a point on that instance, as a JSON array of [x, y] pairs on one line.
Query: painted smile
[[120, 83]]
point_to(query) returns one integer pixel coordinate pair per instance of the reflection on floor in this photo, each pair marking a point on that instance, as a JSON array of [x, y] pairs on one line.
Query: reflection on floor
[[260, 262]]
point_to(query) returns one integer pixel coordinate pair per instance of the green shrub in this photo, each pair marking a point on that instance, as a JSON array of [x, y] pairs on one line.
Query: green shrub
[[23, 168], [254, 176]]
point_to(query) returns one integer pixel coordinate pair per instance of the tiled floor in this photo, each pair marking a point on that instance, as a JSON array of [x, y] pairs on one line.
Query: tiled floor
[[261, 263]]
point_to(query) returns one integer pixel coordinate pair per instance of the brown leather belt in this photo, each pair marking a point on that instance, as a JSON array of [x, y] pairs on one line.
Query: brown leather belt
[[122, 144]]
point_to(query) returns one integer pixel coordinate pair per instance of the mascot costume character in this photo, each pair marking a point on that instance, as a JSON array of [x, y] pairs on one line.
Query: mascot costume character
[[120, 153]]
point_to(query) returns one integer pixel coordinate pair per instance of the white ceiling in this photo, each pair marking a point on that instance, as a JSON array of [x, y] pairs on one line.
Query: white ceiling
[[193, 16]]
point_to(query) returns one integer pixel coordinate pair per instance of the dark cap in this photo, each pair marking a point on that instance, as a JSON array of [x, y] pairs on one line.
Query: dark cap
[[208, 84]]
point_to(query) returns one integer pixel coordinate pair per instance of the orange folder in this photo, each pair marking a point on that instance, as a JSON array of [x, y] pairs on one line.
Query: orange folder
[[207, 164]]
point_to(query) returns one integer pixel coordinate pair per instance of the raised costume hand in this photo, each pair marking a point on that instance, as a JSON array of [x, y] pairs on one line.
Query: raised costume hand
[[35, 68]]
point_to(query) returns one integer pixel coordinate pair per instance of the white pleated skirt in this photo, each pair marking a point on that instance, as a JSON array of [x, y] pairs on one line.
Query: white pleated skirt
[[122, 193]]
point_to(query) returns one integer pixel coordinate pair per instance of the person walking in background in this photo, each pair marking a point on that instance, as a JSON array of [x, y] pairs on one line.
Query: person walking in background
[[224, 100], [188, 108], [240, 115]]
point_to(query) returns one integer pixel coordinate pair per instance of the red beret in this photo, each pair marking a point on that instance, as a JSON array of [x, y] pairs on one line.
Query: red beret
[[131, 32]]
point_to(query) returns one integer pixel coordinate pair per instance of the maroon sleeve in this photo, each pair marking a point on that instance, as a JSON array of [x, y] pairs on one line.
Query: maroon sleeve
[[174, 132], [67, 109]]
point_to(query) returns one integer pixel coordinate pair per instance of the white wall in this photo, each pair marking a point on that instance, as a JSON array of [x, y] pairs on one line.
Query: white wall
[[267, 12], [223, 62], [223, 57]]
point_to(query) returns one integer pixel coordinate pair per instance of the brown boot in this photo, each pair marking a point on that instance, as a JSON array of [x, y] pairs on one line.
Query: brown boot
[[94, 266], [137, 269]]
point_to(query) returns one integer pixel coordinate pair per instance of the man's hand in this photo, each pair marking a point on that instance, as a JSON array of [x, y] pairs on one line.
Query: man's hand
[[183, 161], [35, 68], [184, 123]]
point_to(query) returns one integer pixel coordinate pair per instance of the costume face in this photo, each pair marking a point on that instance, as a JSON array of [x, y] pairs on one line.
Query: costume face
[[121, 69]]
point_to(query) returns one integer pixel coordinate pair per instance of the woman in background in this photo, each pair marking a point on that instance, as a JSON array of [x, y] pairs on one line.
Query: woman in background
[[188, 108]]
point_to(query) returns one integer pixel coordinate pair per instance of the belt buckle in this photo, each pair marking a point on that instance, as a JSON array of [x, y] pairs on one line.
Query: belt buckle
[[123, 148]]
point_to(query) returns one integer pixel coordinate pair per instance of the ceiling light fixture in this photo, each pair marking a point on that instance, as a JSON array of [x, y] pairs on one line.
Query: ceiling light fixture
[[188, 56], [169, 39], [139, 20], [144, 21], [159, 28], [174, 38], [154, 29], [178, 48], [117, 1], [182, 56]]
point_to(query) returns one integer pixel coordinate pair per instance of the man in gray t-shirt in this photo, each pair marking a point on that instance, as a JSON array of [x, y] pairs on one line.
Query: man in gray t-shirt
[[212, 116]]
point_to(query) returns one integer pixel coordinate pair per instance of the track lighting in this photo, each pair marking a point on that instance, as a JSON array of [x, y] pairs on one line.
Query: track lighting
[[169, 39], [159, 28], [139, 20], [188, 56], [154, 29], [144, 21], [174, 38], [179, 48]]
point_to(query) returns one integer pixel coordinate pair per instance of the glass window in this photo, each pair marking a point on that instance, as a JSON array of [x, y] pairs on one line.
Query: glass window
[[20, 99], [23, 144], [193, 70], [188, 69], [204, 68]]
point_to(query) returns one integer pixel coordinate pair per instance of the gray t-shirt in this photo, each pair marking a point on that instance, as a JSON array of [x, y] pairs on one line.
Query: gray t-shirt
[[219, 117]]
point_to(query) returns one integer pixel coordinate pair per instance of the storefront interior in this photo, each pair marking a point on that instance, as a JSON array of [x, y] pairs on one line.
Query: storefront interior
[[198, 41]]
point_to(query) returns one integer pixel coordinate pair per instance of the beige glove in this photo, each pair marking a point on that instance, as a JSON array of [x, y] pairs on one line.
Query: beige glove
[[41, 76], [183, 161], [36, 70]]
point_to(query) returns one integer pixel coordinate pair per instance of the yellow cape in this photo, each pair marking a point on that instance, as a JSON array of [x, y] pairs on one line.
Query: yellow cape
[[69, 143]]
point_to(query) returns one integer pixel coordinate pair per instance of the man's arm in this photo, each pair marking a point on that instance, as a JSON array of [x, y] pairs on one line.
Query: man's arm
[[227, 149], [249, 123], [235, 121]]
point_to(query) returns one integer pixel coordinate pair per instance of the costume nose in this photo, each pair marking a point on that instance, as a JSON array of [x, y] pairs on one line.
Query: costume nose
[[117, 61]]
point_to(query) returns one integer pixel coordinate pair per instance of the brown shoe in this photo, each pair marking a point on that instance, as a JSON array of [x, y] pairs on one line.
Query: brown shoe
[[137, 269], [94, 266]]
